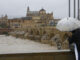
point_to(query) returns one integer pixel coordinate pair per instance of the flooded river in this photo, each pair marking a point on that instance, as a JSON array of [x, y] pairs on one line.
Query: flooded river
[[9, 44]]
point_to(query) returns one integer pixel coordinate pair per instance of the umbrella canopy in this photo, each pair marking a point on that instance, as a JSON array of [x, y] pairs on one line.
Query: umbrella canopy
[[68, 24]]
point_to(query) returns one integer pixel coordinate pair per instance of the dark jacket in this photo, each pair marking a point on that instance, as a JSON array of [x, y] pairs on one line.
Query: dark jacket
[[75, 38]]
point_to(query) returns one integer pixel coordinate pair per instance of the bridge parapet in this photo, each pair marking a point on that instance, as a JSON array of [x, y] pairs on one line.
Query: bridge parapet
[[45, 55]]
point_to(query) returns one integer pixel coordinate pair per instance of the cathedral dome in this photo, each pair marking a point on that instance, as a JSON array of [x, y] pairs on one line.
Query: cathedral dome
[[42, 9]]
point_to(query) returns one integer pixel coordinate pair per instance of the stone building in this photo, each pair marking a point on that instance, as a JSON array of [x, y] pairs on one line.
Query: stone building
[[32, 19], [3, 21], [23, 22], [40, 16]]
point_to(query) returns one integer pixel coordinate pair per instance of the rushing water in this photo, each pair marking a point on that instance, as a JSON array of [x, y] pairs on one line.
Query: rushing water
[[9, 44]]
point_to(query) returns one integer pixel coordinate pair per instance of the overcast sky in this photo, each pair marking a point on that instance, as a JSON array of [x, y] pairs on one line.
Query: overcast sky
[[18, 8]]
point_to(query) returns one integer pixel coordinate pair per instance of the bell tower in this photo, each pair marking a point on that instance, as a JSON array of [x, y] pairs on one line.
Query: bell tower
[[27, 11]]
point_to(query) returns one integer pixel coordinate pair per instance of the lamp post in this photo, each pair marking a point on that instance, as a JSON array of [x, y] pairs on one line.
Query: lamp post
[[78, 9], [74, 5], [74, 9], [69, 8]]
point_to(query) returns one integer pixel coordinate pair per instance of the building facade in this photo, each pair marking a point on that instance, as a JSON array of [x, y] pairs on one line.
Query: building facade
[[32, 19], [39, 16]]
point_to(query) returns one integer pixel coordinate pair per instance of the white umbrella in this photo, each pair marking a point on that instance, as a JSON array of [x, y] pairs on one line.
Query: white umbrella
[[68, 24]]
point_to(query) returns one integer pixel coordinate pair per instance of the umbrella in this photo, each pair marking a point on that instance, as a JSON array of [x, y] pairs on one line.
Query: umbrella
[[68, 24]]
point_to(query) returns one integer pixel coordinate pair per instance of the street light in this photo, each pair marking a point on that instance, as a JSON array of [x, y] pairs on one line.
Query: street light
[[78, 9], [69, 8], [74, 8], [74, 4]]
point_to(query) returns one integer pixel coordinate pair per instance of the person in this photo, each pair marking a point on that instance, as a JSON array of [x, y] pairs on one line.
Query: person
[[75, 38], [71, 25]]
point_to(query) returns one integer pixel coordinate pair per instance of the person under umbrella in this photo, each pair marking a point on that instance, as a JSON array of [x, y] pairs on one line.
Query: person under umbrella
[[71, 25]]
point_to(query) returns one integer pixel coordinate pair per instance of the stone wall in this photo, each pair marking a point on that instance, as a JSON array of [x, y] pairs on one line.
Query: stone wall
[[57, 55]]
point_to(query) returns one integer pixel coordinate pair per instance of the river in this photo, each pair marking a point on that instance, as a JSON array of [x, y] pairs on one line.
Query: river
[[9, 44]]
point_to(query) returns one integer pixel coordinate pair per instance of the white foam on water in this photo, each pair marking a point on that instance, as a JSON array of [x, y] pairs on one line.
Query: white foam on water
[[9, 44]]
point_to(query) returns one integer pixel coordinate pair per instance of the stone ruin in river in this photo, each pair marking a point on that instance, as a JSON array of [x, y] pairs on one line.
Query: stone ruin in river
[[47, 36]]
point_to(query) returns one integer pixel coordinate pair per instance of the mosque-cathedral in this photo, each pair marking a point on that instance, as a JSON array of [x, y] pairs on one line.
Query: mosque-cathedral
[[32, 19]]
